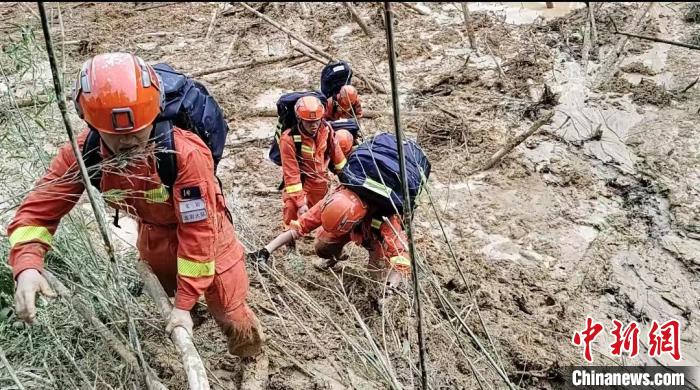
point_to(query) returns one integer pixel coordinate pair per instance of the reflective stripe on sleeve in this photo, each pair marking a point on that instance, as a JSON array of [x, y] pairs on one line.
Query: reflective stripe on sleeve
[[340, 165], [294, 188], [307, 149], [194, 269], [157, 195], [30, 233], [400, 260]]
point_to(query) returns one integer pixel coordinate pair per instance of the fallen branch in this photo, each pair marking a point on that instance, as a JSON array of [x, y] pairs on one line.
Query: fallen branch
[[690, 86], [310, 45], [356, 17], [85, 311], [609, 64], [245, 64], [194, 367], [366, 114], [414, 8], [154, 6], [654, 39], [510, 145], [322, 61]]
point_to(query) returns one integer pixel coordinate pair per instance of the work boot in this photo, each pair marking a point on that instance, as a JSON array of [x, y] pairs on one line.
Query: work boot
[[247, 344]]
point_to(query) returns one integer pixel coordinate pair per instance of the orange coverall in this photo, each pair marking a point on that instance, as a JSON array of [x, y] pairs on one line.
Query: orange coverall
[[384, 241], [188, 241], [335, 112], [306, 176]]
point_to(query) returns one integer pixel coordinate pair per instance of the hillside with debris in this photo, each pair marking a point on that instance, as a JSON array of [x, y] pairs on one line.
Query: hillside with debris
[[596, 214]]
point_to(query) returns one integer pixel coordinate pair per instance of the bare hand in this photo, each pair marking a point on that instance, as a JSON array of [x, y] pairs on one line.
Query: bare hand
[[29, 282]]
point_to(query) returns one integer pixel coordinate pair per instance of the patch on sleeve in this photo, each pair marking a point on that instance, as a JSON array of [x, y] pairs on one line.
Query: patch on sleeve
[[191, 193], [193, 210]]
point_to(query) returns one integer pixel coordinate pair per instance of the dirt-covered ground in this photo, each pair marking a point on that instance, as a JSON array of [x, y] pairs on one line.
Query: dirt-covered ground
[[597, 214]]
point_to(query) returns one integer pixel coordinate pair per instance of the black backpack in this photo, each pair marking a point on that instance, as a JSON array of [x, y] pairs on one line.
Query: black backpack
[[286, 119], [334, 76], [373, 173], [189, 106]]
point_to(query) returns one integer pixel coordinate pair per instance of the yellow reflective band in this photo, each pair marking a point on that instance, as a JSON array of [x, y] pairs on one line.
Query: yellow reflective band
[[297, 138], [194, 269], [377, 187], [400, 260], [307, 149], [376, 223], [294, 188], [30, 233], [340, 165], [157, 195], [115, 195]]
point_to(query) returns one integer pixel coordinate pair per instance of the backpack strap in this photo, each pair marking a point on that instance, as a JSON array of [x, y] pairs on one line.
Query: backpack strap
[[93, 158], [166, 157]]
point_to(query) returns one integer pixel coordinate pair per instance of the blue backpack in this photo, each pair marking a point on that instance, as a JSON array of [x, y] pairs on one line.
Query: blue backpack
[[349, 124], [373, 172], [287, 119], [334, 76], [189, 106]]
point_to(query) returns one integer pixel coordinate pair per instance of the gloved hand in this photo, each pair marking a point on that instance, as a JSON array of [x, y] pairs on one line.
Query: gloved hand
[[302, 210], [179, 317], [260, 256], [29, 282]]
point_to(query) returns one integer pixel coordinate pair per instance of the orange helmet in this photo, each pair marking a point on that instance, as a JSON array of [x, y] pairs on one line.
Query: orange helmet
[[341, 211], [345, 141], [117, 93], [347, 97], [309, 108]]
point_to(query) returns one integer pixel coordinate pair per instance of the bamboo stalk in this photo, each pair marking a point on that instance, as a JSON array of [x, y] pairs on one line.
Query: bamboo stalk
[[357, 18], [88, 315], [468, 25], [310, 45], [9, 369], [510, 145], [407, 217], [214, 14], [194, 367], [85, 311]]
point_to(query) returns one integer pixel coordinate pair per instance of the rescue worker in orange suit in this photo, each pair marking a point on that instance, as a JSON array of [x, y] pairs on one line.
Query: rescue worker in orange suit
[[306, 174], [184, 234], [344, 217], [345, 104]]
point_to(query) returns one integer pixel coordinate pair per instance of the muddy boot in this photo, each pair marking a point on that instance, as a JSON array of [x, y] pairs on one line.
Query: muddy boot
[[247, 344]]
